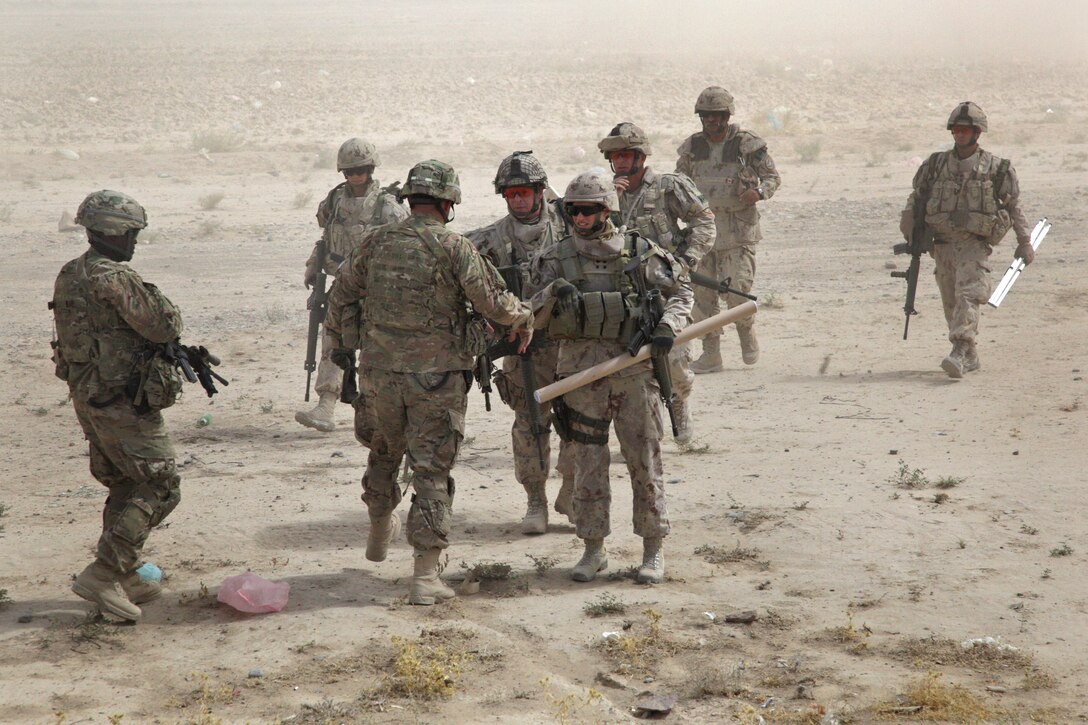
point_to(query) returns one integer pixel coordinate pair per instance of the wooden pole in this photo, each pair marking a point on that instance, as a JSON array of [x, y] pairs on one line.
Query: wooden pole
[[691, 332]]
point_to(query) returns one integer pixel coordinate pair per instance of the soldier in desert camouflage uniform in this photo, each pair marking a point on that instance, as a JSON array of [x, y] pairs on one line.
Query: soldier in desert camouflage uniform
[[106, 319], [351, 208], [972, 199], [734, 171], [654, 205], [587, 301], [533, 223], [419, 287]]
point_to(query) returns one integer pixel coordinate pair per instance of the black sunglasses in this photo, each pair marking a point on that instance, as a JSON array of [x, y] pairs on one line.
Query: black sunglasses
[[357, 171], [574, 210]]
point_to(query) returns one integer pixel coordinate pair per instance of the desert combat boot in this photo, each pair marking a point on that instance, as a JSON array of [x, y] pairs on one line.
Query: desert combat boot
[[593, 561], [383, 529], [711, 359], [749, 345], [140, 590], [98, 584], [953, 364], [652, 570], [321, 416], [427, 587], [970, 358], [535, 520]]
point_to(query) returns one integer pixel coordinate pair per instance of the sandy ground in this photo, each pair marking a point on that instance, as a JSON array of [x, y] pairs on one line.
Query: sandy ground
[[797, 502]]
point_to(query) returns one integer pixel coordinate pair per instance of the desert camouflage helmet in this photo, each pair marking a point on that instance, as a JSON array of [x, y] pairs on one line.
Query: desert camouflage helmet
[[592, 187], [967, 113], [715, 99], [356, 153], [432, 178], [625, 136], [520, 168], [111, 213]]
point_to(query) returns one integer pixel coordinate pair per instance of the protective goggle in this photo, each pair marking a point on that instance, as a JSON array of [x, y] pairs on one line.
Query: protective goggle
[[357, 171], [518, 192], [574, 210]]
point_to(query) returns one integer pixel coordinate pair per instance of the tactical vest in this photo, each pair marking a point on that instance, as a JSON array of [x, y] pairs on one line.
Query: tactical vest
[[510, 262], [609, 301], [722, 180], [412, 288], [967, 204], [348, 218], [649, 215], [96, 350]]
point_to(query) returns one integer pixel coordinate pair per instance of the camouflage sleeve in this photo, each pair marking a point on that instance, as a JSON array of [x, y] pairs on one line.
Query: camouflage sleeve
[[483, 287], [688, 205], [140, 304], [345, 294], [392, 210], [664, 272], [1009, 194], [684, 162], [484, 242], [544, 269], [764, 166]]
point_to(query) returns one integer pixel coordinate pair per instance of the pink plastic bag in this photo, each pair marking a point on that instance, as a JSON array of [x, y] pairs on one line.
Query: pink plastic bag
[[253, 594]]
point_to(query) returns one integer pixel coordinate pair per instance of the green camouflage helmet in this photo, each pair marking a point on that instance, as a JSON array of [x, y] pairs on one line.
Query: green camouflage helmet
[[592, 187], [356, 153], [715, 99], [520, 168], [625, 136], [111, 213], [967, 113], [432, 178]]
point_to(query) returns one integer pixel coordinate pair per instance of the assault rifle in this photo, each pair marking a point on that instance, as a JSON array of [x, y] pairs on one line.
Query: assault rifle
[[703, 280], [651, 310], [318, 305], [195, 363], [921, 241]]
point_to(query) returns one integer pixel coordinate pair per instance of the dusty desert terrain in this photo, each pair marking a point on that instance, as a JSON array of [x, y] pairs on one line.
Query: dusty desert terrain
[[873, 513]]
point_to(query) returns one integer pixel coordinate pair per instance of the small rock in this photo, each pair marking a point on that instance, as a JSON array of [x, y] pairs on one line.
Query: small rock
[[995, 688], [746, 617], [609, 680], [647, 680], [652, 705], [256, 672], [337, 454], [25, 618]]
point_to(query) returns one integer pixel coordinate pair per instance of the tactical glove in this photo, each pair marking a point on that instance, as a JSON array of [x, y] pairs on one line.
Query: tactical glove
[[343, 358], [663, 339], [566, 296], [1025, 252]]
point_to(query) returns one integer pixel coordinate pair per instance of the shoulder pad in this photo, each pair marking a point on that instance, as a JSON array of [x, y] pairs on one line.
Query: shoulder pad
[[685, 147], [683, 188], [750, 142], [481, 234]]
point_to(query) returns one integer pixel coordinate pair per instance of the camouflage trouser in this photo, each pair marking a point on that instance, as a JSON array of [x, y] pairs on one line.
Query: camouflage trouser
[[329, 377], [680, 367], [739, 264], [632, 404], [421, 415], [509, 383], [963, 277], [365, 424], [132, 456]]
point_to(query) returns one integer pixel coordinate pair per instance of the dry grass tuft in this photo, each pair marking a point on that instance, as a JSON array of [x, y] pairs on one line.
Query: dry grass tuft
[[426, 670], [927, 699], [721, 555], [981, 657], [811, 715]]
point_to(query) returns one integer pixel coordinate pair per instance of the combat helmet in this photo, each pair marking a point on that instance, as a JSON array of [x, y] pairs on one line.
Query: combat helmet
[[592, 187], [520, 168], [432, 178], [356, 153], [715, 99], [111, 213], [967, 113], [625, 136]]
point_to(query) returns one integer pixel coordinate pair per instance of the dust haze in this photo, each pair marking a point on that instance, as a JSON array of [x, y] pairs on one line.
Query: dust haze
[[880, 520]]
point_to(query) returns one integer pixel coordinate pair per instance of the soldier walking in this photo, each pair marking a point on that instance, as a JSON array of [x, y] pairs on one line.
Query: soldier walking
[[421, 289], [654, 205], [354, 206], [588, 302], [733, 169]]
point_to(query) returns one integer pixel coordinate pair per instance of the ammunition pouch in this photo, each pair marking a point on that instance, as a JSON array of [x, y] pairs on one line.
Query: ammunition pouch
[[565, 418], [601, 316], [60, 365], [155, 384], [507, 390]]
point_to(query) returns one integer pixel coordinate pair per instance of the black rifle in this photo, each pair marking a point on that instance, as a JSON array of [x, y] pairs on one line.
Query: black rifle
[[722, 286], [483, 371], [195, 363], [651, 310], [921, 241], [318, 305]]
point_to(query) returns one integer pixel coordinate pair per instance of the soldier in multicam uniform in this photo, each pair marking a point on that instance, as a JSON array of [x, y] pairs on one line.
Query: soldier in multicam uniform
[[420, 288], [354, 206], [972, 199], [533, 224], [586, 301], [654, 205], [106, 318], [734, 171]]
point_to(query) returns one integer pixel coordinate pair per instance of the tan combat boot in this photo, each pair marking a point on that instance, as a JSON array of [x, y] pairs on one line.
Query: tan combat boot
[[593, 561], [685, 428], [383, 529], [564, 500], [652, 570], [970, 359], [98, 584], [711, 359], [535, 520], [140, 590], [953, 364], [749, 345], [321, 416], [427, 587]]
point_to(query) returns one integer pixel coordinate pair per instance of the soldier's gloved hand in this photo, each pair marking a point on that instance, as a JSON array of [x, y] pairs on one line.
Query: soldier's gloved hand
[[906, 223], [310, 277], [663, 339], [1025, 252], [342, 358], [751, 196], [566, 297]]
